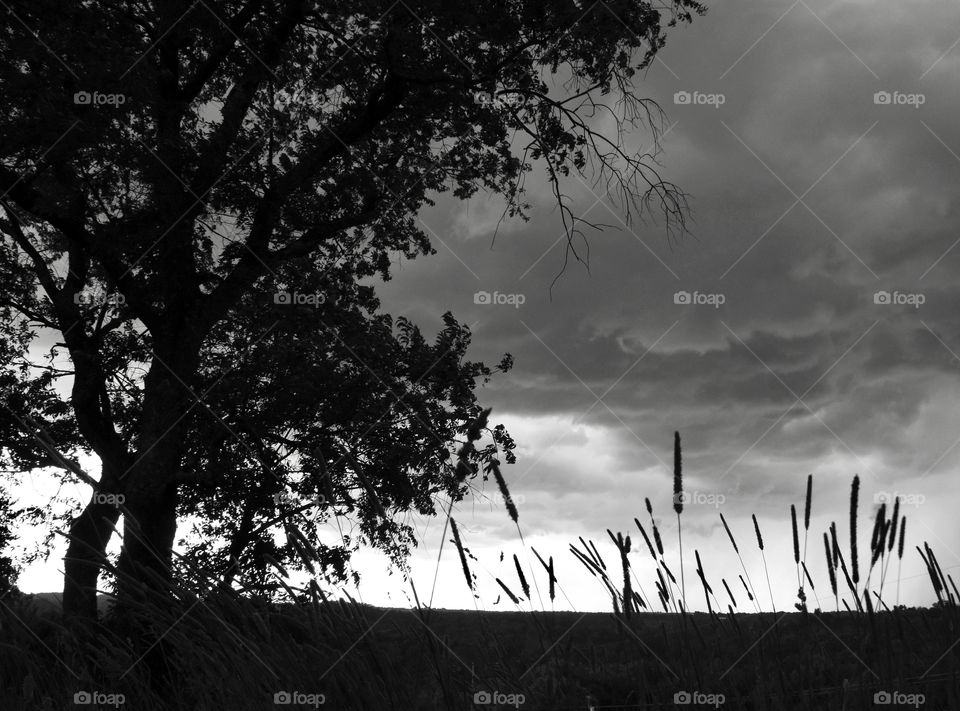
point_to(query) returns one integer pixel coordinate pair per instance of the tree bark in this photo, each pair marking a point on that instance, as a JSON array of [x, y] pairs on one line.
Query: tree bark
[[150, 485], [90, 533], [144, 576], [149, 530]]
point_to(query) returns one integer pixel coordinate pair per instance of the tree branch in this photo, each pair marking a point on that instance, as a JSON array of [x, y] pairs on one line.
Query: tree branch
[[221, 49], [213, 157]]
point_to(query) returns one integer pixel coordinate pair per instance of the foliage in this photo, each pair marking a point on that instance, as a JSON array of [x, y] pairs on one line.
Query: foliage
[[168, 170]]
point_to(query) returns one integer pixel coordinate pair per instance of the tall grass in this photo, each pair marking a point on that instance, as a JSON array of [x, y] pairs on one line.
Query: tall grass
[[766, 570], [678, 505], [223, 650]]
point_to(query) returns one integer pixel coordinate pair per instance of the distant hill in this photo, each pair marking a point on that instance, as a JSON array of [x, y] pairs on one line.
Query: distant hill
[[52, 602]]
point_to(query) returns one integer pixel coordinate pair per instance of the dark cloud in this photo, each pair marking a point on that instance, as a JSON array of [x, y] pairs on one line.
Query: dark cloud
[[878, 187]]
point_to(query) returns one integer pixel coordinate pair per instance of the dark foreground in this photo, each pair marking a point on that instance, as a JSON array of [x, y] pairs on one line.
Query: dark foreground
[[229, 654]]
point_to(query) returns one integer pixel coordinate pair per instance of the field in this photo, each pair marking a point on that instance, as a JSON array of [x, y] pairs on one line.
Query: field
[[227, 651], [238, 655]]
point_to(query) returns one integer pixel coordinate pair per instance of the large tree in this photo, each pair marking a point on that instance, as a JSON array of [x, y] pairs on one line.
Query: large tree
[[164, 162]]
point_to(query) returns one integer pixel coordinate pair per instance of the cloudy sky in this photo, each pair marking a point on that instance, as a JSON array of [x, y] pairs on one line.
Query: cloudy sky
[[810, 195], [819, 144]]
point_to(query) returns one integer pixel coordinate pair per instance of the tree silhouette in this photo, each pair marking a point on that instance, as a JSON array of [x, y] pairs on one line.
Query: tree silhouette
[[164, 165]]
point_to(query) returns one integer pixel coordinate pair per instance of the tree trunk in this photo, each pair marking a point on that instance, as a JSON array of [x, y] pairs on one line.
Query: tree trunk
[[149, 530], [90, 533], [144, 577], [86, 554], [150, 485]]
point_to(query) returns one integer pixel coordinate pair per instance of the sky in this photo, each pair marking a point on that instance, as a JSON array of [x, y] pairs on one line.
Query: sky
[[805, 325]]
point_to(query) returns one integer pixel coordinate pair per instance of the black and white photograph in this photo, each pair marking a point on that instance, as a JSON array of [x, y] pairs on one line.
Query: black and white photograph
[[529, 355]]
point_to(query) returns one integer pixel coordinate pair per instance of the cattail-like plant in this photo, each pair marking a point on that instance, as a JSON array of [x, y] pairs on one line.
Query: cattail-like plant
[[587, 561], [592, 561], [553, 580], [508, 591], [931, 571], [549, 568], [903, 531], [623, 546], [730, 594], [677, 475], [645, 538], [463, 557], [894, 517], [523, 580], [889, 540], [854, 496], [796, 541], [756, 527], [596, 554], [494, 467], [806, 517], [592, 553], [461, 471], [653, 524], [666, 569], [729, 534], [662, 591], [707, 591], [878, 539], [835, 548], [669, 573], [939, 571], [953, 585], [678, 505], [831, 569]]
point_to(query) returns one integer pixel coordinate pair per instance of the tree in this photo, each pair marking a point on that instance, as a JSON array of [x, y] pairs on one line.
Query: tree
[[162, 163], [381, 450], [8, 568]]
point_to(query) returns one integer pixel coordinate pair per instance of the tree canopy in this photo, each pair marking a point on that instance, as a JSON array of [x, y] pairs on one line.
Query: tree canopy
[[192, 194]]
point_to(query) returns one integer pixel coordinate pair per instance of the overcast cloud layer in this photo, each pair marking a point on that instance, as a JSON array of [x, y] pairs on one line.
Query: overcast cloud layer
[[810, 195]]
